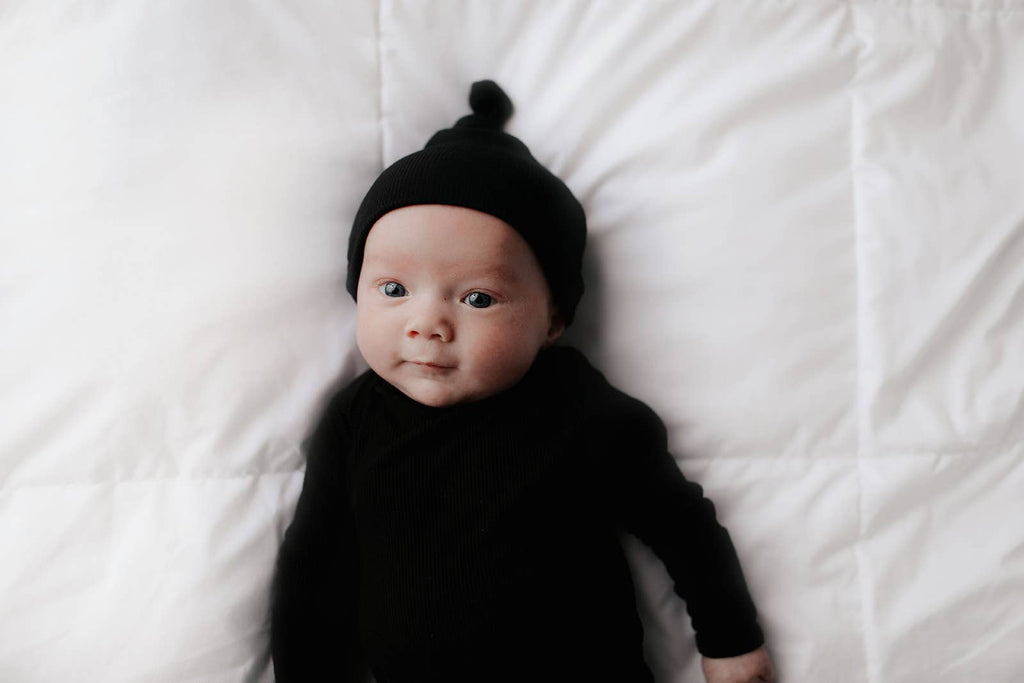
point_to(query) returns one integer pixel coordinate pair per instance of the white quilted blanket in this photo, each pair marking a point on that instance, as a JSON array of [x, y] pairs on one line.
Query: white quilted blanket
[[806, 252]]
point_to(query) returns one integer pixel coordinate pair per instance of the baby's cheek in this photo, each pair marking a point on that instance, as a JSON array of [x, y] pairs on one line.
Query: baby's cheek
[[362, 337], [372, 339], [510, 357]]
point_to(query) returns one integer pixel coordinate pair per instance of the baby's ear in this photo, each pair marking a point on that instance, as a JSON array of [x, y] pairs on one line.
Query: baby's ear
[[556, 329]]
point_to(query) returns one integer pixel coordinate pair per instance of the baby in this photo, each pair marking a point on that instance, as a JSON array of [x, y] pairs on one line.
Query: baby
[[463, 498]]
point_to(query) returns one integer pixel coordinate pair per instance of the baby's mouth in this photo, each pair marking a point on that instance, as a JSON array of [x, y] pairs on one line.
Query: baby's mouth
[[431, 365]]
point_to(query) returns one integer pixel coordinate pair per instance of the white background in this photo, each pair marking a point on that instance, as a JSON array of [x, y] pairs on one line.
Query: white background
[[806, 252]]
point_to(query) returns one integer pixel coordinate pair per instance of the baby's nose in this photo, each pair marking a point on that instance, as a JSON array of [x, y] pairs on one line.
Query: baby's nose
[[430, 322]]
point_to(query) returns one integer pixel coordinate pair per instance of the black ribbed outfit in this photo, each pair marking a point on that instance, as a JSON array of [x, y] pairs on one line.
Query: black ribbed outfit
[[479, 542]]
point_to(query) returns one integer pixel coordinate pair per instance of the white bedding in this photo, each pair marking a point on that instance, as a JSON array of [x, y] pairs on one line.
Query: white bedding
[[806, 252]]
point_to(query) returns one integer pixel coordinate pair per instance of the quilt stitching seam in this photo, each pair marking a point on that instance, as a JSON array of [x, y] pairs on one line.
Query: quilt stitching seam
[[380, 83], [867, 614]]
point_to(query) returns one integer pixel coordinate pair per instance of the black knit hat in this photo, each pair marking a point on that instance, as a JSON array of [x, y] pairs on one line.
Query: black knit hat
[[476, 165]]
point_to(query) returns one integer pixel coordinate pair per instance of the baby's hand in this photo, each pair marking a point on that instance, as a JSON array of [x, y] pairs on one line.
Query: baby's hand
[[753, 667]]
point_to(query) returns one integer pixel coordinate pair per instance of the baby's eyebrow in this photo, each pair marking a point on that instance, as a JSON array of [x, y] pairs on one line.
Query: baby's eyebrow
[[388, 261], [495, 272]]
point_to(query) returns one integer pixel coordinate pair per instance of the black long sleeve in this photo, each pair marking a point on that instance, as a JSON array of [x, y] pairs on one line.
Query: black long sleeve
[[313, 617], [671, 515]]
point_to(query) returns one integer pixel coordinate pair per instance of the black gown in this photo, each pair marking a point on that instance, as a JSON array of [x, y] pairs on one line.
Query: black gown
[[480, 542]]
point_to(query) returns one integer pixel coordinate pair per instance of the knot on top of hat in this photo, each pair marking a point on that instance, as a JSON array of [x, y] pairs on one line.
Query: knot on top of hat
[[491, 106]]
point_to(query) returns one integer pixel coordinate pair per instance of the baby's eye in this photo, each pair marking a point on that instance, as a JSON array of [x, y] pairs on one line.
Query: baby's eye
[[478, 299], [392, 289]]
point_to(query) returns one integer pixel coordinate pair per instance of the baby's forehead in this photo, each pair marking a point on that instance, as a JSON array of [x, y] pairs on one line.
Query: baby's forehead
[[455, 262]]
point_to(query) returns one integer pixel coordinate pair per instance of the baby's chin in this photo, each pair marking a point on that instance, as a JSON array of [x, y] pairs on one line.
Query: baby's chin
[[435, 397], [441, 393], [432, 392]]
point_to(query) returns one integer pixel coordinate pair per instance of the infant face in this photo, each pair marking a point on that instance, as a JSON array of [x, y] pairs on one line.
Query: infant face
[[452, 304]]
